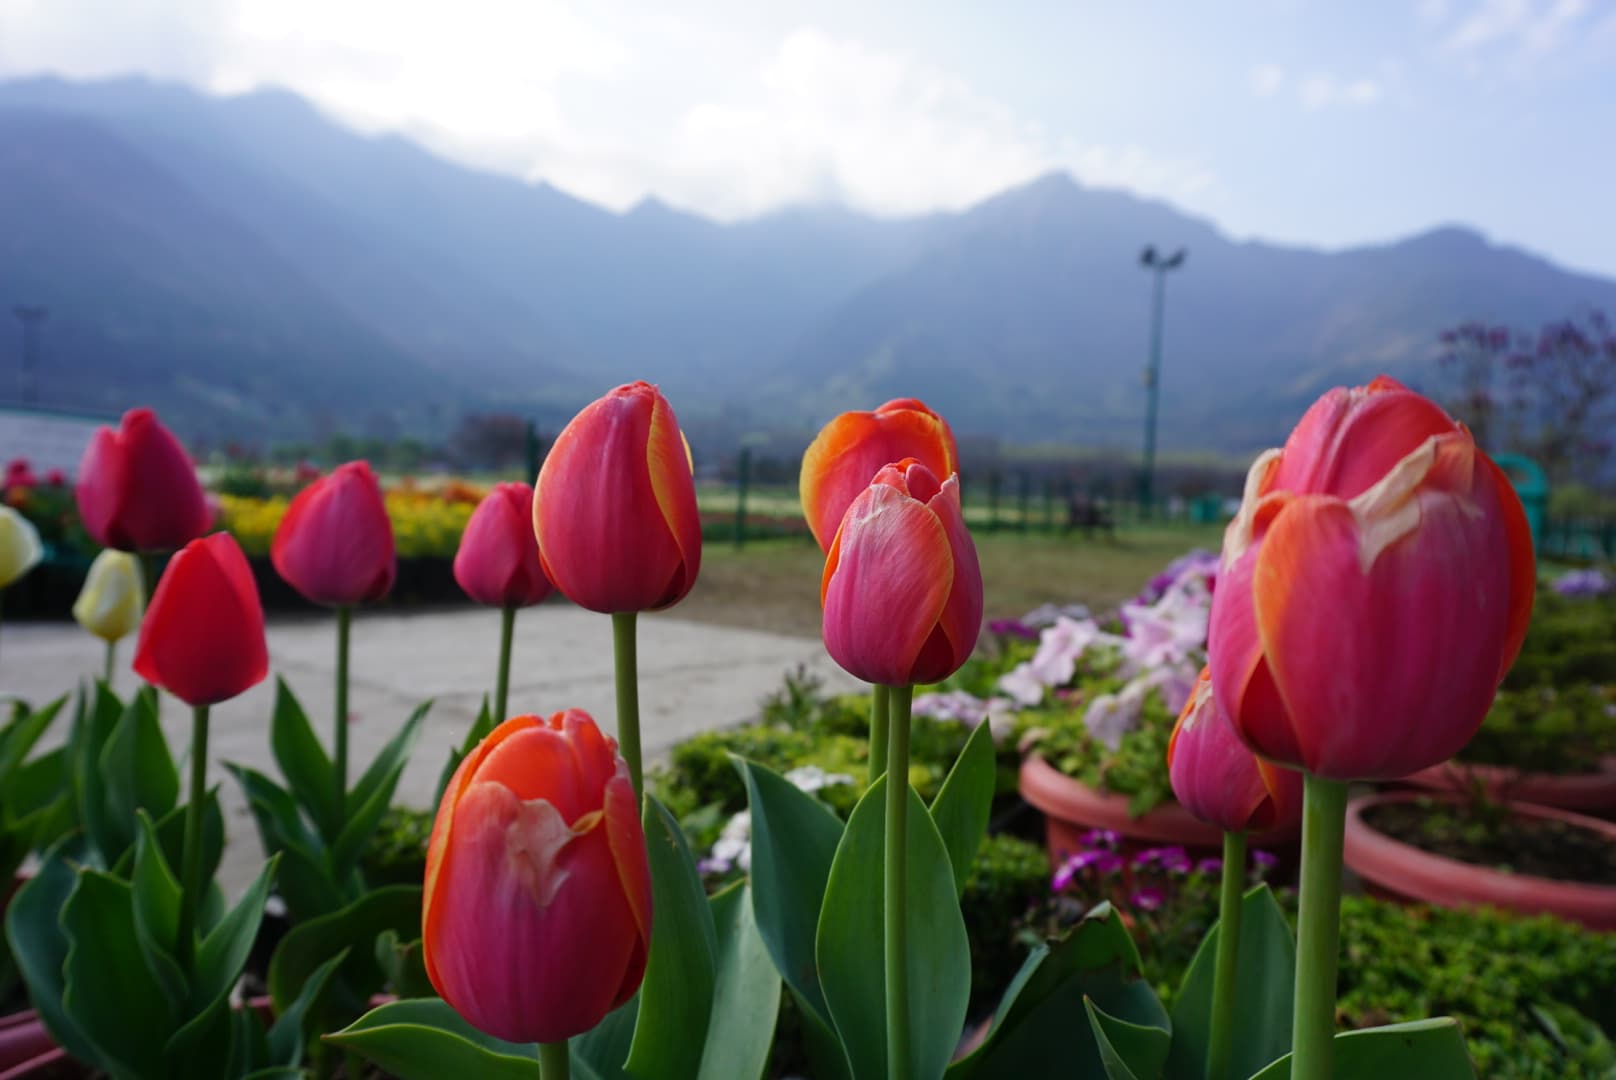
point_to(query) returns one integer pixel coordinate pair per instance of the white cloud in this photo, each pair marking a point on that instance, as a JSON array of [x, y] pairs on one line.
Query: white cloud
[[1319, 91], [1266, 79], [1536, 28]]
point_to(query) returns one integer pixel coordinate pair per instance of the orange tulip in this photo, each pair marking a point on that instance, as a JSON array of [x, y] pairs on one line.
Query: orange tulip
[[902, 590], [614, 508], [536, 916], [852, 448], [1217, 778], [1375, 588]]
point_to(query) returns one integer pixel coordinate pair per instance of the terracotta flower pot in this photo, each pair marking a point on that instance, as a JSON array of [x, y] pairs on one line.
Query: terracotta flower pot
[[1407, 872], [1072, 808], [1592, 793]]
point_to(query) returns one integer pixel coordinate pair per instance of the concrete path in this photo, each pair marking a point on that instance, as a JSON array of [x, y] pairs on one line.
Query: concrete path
[[693, 677]]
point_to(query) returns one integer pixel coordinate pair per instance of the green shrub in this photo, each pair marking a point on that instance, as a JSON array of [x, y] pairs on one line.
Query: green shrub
[[1009, 882], [396, 854]]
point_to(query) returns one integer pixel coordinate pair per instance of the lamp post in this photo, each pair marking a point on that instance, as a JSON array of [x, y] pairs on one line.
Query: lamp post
[[1159, 266], [30, 315]]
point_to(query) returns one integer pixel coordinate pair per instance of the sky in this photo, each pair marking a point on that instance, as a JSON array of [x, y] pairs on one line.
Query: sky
[[1328, 124]]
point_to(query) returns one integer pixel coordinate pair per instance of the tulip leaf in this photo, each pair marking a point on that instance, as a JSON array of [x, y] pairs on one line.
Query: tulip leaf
[[424, 1039], [1127, 1051], [304, 881], [18, 737], [478, 732], [962, 806], [355, 928], [170, 832], [746, 997], [389, 762], [92, 729], [137, 773], [157, 911], [599, 1053], [202, 1042], [1265, 978], [303, 762], [676, 997], [1422, 1050], [794, 838], [1041, 1027], [849, 944], [34, 932], [286, 1036], [222, 953], [129, 1015]]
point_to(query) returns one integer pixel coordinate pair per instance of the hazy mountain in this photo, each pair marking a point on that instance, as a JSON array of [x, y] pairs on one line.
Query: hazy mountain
[[255, 267]]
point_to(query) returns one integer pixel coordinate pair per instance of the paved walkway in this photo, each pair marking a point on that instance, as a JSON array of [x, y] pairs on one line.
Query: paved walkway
[[693, 677]]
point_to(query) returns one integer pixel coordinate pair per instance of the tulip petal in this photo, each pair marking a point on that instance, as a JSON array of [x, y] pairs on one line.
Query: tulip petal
[[1522, 564], [627, 841], [1214, 775], [885, 585], [668, 461], [961, 620], [1350, 438], [203, 636], [852, 448], [335, 543]]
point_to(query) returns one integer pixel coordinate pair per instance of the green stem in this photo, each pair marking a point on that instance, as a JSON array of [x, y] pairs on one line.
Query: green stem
[[112, 663], [507, 624], [1318, 933], [339, 732], [878, 732], [553, 1060], [628, 695], [191, 867], [896, 893], [1223, 981]]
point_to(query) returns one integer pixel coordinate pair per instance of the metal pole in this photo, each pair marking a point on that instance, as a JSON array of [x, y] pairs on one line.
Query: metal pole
[[1147, 478]]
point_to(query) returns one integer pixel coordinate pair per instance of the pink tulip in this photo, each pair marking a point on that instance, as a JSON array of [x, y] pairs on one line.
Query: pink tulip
[[137, 489], [335, 544], [902, 590], [498, 560], [1374, 589], [1217, 778]]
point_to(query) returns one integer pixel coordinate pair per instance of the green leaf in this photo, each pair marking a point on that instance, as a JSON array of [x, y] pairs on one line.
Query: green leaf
[[157, 912], [138, 772], [221, 954], [402, 963], [794, 840], [1421, 1050], [746, 994], [850, 949], [962, 806], [479, 731], [303, 762], [354, 928], [18, 736], [676, 998], [89, 740], [34, 932], [170, 830], [304, 881], [427, 1040], [599, 1053], [385, 768], [203, 1043], [286, 1035], [1265, 978], [1127, 1051], [1041, 1027], [128, 1016]]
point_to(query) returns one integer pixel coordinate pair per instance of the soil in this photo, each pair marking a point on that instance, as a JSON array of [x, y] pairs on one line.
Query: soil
[[1517, 845]]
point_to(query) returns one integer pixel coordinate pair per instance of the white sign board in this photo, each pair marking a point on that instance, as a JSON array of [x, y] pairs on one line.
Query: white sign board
[[47, 440]]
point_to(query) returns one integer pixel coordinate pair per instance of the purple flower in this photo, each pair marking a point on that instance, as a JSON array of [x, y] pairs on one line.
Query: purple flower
[[1063, 877], [1013, 628], [1148, 899], [1263, 861], [1101, 838], [1210, 866], [1580, 583]]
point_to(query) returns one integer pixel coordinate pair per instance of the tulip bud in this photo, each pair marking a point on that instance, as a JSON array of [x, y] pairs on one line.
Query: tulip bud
[[113, 596], [137, 489], [839, 464], [614, 508], [902, 590], [1216, 777], [498, 560], [203, 637], [1374, 590], [536, 916], [335, 544], [20, 549]]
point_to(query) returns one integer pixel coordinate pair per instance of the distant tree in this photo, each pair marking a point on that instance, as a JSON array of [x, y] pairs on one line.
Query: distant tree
[[489, 441], [1475, 354]]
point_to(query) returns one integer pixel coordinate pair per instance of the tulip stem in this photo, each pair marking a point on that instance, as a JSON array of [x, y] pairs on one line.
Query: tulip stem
[[878, 732], [112, 663], [339, 731], [896, 898], [507, 624], [628, 695], [191, 867], [554, 1060], [1221, 1047], [1318, 937]]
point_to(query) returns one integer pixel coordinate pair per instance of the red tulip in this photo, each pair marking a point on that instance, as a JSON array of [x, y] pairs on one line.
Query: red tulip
[[335, 544], [137, 489], [536, 917], [1216, 777], [851, 449], [614, 508], [202, 639], [902, 590], [498, 561], [1374, 590]]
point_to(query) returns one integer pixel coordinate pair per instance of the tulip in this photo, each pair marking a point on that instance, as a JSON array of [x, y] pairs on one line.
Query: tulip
[[614, 508], [498, 564], [1375, 588], [203, 636], [536, 915], [902, 590], [137, 489], [20, 549], [110, 603], [1216, 777], [335, 544], [851, 449]]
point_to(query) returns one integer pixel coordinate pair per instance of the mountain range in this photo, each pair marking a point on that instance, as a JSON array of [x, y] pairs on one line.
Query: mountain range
[[258, 271]]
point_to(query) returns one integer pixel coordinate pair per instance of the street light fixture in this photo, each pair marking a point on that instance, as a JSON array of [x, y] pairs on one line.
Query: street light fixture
[[1159, 266]]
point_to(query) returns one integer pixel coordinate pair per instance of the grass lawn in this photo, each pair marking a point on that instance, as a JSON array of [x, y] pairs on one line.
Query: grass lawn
[[774, 585]]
